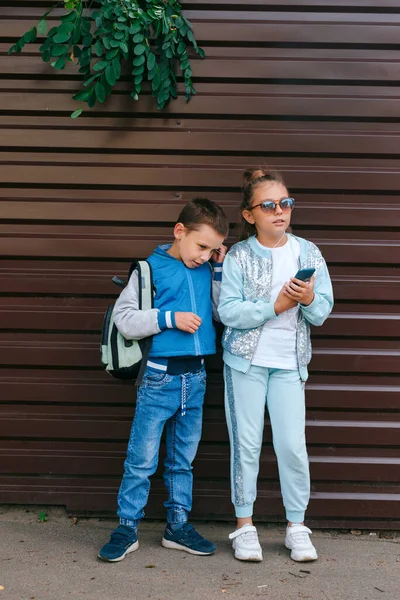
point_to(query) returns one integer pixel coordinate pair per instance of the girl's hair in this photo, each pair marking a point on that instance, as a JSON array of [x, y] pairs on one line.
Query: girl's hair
[[202, 211], [252, 178]]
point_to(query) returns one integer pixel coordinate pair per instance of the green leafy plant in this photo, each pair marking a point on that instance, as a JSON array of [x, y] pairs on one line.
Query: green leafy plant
[[151, 37], [42, 518]]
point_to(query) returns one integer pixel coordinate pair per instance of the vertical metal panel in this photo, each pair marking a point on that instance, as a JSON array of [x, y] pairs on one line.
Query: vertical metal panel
[[311, 89]]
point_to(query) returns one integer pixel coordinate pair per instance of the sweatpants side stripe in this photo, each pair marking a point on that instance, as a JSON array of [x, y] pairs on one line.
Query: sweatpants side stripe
[[237, 465]]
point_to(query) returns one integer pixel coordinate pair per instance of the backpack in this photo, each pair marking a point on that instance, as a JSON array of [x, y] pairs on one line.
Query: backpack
[[122, 358]]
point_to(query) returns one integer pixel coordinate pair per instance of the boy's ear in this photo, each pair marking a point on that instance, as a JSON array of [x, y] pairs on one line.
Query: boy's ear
[[179, 230]]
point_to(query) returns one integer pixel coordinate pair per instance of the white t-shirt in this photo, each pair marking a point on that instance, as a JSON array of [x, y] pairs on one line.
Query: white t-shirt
[[276, 347]]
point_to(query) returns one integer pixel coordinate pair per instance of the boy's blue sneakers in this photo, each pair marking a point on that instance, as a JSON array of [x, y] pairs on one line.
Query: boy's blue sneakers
[[187, 539], [123, 540]]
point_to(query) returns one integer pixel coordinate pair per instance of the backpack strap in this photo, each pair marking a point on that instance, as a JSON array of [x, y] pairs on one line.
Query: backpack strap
[[146, 302]]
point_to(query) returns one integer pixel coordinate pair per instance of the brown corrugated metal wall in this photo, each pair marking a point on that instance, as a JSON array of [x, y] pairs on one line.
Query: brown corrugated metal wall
[[310, 87]]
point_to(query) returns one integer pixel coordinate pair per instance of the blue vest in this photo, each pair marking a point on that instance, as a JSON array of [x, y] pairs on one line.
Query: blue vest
[[180, 289]]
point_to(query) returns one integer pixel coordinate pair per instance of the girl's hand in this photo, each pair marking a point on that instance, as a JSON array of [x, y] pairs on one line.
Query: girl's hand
[[283, 302], [300, 291], [218, 256]]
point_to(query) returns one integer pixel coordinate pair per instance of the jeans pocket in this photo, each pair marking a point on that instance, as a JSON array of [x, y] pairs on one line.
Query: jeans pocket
[[153, 379]]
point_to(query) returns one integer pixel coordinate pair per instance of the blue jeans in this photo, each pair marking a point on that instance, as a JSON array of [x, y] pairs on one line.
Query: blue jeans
[[177, 402]]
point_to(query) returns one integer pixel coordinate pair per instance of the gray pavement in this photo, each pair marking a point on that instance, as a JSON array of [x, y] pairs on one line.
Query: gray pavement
[[56, 559]]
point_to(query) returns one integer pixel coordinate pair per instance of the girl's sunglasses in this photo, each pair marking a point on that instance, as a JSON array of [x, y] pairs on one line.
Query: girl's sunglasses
[[269, 206]]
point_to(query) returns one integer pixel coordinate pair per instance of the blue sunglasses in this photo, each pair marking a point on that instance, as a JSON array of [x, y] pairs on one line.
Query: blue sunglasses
[[269, 206]]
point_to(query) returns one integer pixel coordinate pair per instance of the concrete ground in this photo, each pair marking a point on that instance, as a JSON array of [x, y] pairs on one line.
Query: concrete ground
[[56, 559]]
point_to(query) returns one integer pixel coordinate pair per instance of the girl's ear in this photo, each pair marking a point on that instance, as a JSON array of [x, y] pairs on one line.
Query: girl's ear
[[179, 231], [247, 215]]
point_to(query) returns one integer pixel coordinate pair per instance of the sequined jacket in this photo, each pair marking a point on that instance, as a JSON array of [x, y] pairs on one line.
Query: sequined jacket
[[245, 301]]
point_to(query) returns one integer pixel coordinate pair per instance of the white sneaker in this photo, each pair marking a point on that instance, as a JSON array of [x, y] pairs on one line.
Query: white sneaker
[[245, 543], [298, 541]]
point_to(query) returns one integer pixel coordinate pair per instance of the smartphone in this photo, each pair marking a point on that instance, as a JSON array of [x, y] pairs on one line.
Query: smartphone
[[305, 274]]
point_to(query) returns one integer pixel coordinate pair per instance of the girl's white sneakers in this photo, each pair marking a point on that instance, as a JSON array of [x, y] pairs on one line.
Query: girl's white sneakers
[[245, 543], [298, 541]]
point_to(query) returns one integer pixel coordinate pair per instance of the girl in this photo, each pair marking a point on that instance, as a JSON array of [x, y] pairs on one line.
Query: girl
[[267, 314]]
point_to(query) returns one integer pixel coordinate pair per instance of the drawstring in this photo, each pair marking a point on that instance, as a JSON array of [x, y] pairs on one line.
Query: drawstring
[[183, 396]]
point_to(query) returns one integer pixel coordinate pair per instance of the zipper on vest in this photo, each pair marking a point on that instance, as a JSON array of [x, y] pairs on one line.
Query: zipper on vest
[[194, 309]]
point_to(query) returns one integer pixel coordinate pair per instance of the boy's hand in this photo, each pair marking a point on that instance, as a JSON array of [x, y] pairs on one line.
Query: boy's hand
[[283, 301], [301, 291], [218, 256], [187, 321]]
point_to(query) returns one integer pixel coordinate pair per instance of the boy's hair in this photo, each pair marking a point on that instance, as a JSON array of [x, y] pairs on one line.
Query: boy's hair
[[252, 177], [201, 211]]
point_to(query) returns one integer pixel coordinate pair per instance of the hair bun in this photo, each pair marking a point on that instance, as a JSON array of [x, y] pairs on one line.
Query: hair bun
[[255, 173]]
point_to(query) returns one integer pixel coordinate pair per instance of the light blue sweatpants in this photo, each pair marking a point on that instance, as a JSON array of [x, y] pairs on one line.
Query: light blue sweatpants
[[246, 397]]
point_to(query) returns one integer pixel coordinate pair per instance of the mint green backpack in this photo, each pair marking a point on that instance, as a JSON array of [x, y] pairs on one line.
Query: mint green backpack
[[122, 358]]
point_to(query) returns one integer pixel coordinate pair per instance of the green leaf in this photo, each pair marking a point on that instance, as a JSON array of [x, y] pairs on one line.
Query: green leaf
[[110, 75], [60, 63], [201, 52], [59, 50], [85, 26], [151, 61], [134, 96], [98, 48], [138, 79], [124, 47], [87, 41], [76, 36], [77, 113], [42, 518], [138, 70], [91, 79], [139, 60], [46, 56], [138, 38], [71, 16], [156, 81], [66, 28], [139, 49], [117, 67], [118, 35], [112, 53], [99, 66], [92, 99], [181, 47], [82, 95], [60, 38], [100, 92], [30, 36], [135, 28], [42, 27]]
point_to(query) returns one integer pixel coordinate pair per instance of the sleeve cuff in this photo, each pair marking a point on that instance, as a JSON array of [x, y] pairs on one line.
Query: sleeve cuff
[[166, 319], [217, 271]]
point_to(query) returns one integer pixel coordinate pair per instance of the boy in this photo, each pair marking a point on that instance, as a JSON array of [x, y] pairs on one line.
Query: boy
[[173, 386]]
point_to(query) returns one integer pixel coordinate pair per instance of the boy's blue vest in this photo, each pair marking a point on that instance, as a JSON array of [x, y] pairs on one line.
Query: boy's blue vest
[[180, 289]]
